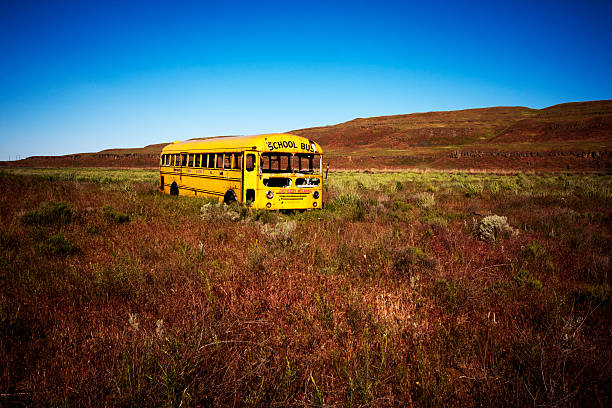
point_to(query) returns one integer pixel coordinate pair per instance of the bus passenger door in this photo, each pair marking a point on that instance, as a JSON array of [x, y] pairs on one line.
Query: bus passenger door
[[249, 176]]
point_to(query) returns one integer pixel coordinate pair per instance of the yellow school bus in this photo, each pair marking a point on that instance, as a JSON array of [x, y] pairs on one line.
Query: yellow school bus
[[274, 171]]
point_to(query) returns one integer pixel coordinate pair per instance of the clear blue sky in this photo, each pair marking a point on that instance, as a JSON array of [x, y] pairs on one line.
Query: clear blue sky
[[85, 76]]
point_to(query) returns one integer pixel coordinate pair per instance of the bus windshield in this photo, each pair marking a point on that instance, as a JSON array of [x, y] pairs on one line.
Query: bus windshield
[[306, 163]]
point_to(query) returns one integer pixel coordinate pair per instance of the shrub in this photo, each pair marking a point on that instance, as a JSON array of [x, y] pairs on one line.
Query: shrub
[[57, 245], [350, 205], [109, 212], [281, 234], [264, 216], [425, 200], [470, 189], [494, 187], [535, 251], [401, 206], [523, 279], [58, 213], [446, 291], [593, 296], [408, 258], [493, 226], [220, 212]]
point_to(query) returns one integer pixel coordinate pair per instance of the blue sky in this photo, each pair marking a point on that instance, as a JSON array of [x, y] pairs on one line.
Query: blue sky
[[85, 76]]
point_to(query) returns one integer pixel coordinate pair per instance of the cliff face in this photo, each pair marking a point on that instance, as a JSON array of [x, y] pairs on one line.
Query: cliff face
[[568, 136]]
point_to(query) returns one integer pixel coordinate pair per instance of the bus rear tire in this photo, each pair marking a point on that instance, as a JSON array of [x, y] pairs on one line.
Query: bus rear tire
[[174, 190], [230, 197]]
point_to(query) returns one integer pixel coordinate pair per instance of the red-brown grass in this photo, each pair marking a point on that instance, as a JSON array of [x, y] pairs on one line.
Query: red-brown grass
[[386, 297]]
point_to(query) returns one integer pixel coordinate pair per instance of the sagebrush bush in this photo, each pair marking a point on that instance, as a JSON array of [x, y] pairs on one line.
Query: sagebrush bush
[[425, 200], [220, 212], [281, 234], [57, 213], [494, 226]]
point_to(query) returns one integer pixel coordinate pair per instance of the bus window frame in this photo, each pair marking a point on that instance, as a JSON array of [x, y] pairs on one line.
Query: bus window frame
[[237, 161]]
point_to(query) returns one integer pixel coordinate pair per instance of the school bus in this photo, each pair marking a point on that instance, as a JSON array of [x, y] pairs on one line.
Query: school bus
[[273, 171]]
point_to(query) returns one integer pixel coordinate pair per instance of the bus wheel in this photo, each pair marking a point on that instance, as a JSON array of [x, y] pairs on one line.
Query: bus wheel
[[174, 190], [230, 197]]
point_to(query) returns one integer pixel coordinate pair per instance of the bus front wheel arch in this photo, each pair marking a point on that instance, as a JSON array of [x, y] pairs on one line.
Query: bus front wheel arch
[[174, 190], [230, 197]]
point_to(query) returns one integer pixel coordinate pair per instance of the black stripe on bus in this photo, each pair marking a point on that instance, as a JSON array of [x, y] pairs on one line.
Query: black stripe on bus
[[197, 190]]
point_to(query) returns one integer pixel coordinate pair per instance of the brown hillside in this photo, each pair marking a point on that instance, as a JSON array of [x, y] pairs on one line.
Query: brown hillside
[[575, 136]]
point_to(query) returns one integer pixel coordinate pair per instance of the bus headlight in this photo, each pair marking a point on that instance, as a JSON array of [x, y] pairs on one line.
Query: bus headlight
[[315, 194], [270, 194]]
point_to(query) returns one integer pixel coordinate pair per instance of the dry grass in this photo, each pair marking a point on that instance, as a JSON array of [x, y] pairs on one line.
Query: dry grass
[[386, 297]]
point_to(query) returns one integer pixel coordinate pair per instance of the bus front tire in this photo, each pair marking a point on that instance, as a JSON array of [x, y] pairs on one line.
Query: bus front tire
[[230, 197], [174, 190]]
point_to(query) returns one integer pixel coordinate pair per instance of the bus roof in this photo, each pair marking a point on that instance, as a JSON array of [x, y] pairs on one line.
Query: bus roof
[[282, 142]]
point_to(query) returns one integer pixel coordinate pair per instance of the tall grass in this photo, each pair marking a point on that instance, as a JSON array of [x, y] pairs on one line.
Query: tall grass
[[114, 294]]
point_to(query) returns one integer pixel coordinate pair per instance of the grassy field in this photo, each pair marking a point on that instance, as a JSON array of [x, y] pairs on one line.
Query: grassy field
[[404, 290]]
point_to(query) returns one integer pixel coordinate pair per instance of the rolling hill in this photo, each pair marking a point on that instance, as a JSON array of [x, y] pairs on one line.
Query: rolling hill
[[569, 136]]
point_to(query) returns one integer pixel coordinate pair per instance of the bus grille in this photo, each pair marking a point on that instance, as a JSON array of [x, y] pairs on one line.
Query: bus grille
[[293, 196]]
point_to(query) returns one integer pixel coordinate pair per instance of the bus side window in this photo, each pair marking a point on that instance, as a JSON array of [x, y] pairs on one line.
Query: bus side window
[[183, 159], [265, 162], [238, 161], [190, 161], [250, 162], [227, 164], [211, 161], [219, 161], [196, 162]]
